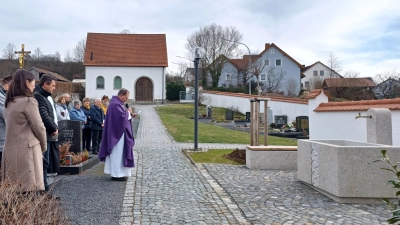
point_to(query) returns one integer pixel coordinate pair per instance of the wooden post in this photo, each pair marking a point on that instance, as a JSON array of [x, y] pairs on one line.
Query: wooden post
[[266, 123], [257, 123], [251, 122]]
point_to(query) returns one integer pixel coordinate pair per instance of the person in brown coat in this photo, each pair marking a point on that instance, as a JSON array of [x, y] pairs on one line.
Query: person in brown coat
[[25, 135]]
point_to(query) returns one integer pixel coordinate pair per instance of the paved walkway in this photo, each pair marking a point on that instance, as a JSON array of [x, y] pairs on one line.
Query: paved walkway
[[165, 188]]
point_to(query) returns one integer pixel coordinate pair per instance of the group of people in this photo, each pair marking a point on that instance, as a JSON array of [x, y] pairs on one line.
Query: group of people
[[29, 130], [91, 116]]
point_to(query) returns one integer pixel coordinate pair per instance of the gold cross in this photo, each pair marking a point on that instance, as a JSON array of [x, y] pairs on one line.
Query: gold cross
[[22, 55]]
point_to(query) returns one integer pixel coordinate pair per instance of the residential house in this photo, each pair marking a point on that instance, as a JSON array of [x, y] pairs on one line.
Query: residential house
[[315, 75], [350, 88], [189, 76], [280, 73], [135, 62], [389, 88]]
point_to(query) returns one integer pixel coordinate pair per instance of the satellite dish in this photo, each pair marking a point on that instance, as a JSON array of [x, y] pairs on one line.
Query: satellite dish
[[198, 53]]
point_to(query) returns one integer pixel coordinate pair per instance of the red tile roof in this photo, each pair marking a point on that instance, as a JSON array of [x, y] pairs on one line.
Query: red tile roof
[[316, 92], [273, 97], [56, 75], [349, 82], [363, 105], [104, 49]]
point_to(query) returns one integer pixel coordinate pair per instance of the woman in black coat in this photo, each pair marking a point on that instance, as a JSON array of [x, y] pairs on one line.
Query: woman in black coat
[[87, 129], [97, 116]]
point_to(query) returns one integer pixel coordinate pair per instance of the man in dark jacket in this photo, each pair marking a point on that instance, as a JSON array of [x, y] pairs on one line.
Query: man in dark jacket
[[4, 84], [41, 93], [97, 116]]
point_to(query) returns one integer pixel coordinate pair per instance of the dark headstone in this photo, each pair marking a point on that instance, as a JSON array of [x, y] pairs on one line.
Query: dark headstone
[[71, 133], [280, 120], [248, 116], [229, 114], [209, 111], [302, 122]]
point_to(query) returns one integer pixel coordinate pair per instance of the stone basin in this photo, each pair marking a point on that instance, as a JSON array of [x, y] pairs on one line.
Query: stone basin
[[341, 170]]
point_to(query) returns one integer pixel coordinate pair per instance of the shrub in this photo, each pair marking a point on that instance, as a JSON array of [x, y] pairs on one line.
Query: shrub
[[173, 89], [17, 207], [272, 125]]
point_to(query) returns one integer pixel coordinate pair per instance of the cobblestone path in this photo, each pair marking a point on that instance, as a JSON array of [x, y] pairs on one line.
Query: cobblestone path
[[165, 188]]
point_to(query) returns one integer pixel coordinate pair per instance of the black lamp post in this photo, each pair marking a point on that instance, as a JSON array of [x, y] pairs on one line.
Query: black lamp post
[[198, 54]]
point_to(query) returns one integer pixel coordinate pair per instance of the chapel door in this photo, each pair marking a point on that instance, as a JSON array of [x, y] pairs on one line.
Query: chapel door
[[144, 90]]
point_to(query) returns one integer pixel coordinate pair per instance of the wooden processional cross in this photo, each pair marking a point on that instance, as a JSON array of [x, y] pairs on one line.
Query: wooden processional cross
[[22, 55]]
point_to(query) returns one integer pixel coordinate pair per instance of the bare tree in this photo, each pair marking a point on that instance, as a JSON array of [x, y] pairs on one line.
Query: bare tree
[[291, 87], [334, 64], [388, 84], [211, 39], [57, 56], [68, 57], [9, 51], [256, 69], [125, 31], [316, 83], [351, 74], [37, 54], [79, 50], [274, 80]]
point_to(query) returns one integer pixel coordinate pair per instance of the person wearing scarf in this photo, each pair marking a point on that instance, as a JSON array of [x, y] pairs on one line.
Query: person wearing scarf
[[104, 103], [61, 109]]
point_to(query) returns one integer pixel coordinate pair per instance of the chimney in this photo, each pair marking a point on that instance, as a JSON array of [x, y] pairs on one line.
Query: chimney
[[267, 45], [91, 56]]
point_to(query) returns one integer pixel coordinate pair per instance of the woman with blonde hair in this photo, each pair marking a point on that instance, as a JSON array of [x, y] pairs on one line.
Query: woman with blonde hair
[[25, 135], [61, 108]]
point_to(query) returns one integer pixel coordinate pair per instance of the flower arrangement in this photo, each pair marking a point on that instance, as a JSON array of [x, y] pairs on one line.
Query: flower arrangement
[[70, 158]]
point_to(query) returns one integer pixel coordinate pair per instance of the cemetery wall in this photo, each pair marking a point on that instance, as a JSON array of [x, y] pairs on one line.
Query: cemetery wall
[[291, 109]]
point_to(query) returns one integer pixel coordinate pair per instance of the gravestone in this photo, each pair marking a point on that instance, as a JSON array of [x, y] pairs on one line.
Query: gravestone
[[248, 116], [71, 132], [302, 123], [270, 116], [229, 114], [280, 120], [209, 111]]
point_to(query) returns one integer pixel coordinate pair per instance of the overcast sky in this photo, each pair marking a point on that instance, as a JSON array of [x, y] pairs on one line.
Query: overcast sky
[[364, 34]]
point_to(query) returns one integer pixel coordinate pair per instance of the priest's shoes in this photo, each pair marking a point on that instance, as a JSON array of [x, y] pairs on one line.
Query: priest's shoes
[[119, 178]]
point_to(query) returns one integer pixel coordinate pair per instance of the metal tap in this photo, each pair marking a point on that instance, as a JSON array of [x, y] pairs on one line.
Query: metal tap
[[359, 116]]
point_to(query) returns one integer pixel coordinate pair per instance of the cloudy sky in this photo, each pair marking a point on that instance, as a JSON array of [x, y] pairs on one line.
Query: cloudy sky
[[364, 34]]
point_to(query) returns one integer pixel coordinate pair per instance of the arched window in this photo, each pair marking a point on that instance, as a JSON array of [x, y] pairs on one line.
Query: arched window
[[117, 82], [100, 82]]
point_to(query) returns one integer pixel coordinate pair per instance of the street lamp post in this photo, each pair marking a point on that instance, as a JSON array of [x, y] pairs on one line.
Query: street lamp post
[[198, 54], [249, 59]]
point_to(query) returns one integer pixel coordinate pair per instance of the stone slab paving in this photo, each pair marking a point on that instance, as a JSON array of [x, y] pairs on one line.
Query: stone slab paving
[[276, 197], [165, 188]]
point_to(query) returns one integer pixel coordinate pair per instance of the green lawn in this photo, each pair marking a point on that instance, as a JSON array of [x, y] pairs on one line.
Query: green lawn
[[213, 156], [176, 119]]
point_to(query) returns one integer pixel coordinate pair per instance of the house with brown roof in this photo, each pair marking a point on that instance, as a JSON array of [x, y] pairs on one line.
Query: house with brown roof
[[280, 72], [136, 62], [315, 74], [38, 73], [350, 88]]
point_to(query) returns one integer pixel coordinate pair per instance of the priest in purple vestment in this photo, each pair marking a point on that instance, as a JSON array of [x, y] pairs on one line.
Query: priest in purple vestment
[[116, 148]]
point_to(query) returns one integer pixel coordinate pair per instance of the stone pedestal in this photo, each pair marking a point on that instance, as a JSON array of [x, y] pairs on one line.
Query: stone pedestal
[[271, 157]]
